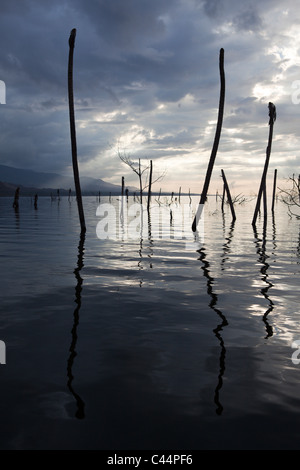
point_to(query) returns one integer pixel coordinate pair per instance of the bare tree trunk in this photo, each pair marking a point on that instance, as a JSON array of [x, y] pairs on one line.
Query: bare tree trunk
[[149, 187], [216, 141], [265, 205], [223, 198], [272, 115], [274, 189], [141, 183], [228, 196], [73, 131]]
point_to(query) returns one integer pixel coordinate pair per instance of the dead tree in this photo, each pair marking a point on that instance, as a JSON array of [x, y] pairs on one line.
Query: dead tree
[[216, 141], [150, 185], [272, 116], [73, 131], [291, 197], [139, 171], [274, 189], [226, 187]]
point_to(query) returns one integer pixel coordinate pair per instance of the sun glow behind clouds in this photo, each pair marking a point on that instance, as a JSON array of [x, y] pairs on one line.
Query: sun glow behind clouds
[[268, 91]]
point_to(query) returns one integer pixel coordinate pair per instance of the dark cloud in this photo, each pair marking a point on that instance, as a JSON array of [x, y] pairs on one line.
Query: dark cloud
[[248, 20], [152, 65], [213, 8], [243, 15], [125, 24]]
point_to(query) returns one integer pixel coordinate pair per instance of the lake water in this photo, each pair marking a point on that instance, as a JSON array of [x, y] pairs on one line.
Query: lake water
[[151, 342]]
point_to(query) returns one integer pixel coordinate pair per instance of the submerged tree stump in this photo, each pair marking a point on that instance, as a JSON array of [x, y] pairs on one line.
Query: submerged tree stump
[[16, 199]]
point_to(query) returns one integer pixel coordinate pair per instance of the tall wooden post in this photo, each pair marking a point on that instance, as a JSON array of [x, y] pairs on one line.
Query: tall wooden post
[[216, 141], [272, 115], [73, 131]]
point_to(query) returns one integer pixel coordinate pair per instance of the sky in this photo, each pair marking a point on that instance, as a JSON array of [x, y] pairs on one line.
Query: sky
[[147, 85]]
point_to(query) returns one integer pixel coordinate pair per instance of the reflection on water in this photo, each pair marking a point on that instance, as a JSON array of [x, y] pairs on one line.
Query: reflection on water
[[263, 257], [219, 327], [17, 216], [145, 249], [153, 371], [80, 403], [226, 246], [212, 305]]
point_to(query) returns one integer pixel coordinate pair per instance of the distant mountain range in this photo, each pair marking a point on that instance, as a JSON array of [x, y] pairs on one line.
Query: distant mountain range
[[32, 182]]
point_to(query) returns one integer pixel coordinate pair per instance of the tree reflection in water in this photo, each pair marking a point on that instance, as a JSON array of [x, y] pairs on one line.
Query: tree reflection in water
[[80, 403]]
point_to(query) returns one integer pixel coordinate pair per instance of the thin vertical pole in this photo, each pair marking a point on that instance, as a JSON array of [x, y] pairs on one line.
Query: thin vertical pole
[[73, 131], [149, 187], [140, 179], [223, 197], [216, 141], [274, 189]]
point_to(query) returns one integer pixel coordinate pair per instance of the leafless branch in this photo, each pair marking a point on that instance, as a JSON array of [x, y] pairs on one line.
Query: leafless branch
[[291, 196]]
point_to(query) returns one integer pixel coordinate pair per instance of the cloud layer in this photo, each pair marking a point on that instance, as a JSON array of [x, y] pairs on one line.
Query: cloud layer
[[146, 80]]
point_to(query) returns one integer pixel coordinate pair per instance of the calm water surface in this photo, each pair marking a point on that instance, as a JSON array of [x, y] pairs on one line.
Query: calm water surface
[[148, 343]]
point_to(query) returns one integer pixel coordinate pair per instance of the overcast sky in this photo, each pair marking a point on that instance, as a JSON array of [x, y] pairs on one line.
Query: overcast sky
[[146, 81]]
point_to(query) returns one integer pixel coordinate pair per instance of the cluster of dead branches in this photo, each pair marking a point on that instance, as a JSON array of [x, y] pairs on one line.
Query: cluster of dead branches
[[291, 196], [239, 199], [144, 173]]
